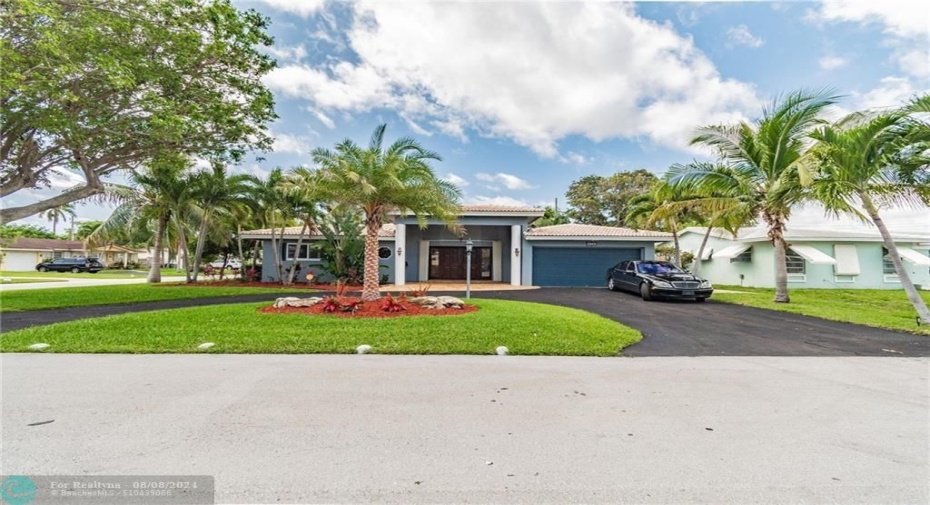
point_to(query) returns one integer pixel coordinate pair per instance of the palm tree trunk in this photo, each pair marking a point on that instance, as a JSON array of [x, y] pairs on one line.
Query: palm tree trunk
[[370, 282], [677, 245], [55, 225], [776, 226], [239, 244], [201, 240], [696, 266], [912, 295], [185, 253], [72, 228], [300, 241], [155, 270]]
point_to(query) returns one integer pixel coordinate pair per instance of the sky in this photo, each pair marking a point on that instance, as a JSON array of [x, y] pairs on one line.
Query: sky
[[522, 98]]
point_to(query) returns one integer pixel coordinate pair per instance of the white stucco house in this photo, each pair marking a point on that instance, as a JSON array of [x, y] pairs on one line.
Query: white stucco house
[[817, 258], [22, 254]]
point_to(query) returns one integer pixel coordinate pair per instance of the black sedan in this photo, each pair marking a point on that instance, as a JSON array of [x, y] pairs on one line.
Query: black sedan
[[75, 265], [657, 279]]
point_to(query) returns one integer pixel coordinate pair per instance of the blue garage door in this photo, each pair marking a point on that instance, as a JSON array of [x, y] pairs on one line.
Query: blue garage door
[[559, 266]]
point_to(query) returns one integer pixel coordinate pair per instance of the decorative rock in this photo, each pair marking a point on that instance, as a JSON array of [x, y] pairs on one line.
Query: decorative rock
[[363, 349], [39, 347], [451, 301], [502, 351], [293, 301], [437, 302], [206, 345]]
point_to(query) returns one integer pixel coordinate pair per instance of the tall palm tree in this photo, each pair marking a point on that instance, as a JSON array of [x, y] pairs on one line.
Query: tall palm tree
[[272, 202], [60, 213], [217, 193], [302, 195], [160, 194], [759, 161], [873, 159], [667, 207], [381, 180]]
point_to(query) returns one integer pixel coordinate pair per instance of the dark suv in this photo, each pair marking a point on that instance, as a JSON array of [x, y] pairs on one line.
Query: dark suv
[[75, 265]]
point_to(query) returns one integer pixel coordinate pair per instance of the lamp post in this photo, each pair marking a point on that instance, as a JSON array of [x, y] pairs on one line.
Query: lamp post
[[468, 246]]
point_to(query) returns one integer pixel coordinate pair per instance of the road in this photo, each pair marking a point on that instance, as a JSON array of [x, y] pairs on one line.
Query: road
[[82, 282], [454, 429]]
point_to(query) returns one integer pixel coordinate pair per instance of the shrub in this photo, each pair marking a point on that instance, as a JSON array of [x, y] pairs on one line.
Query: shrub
[[421, 290], [331, 304], [391, 304]]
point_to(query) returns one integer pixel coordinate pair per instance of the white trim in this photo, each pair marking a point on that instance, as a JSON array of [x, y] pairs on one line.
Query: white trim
[[496, 260], [891, 278], [797, 277], [289, 257], [849, 279], [708, 254], [847, 261], [599, 238], [400, 270], [424, 261], [516, 243], [812, 255], [732, 251], [911, 256]]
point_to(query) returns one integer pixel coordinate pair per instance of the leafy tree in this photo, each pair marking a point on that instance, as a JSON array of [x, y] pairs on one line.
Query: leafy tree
[[380, 180], [217, 193], [302, 194], [59, 213], [759, 163], [25, 231], [97, 87], [550, 217], [874, 160], [600, 200], [269, 195], [667, 207], [84, 229], [342, 249]]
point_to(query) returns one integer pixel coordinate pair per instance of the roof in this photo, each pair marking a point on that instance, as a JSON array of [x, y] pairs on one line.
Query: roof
[[387, 231], [760, 234], [497, 210], [582, 231], [44, 244]]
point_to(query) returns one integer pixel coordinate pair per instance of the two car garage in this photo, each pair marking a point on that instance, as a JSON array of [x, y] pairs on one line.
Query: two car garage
[[578, 266]]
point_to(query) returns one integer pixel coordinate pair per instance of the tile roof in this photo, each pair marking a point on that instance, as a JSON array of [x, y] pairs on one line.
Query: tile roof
[[590, 230], [760, 234], [294, 231], [44, 244], [500, 208]]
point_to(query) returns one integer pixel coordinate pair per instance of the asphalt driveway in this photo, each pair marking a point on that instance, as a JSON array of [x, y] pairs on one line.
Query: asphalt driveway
[[669, 328]]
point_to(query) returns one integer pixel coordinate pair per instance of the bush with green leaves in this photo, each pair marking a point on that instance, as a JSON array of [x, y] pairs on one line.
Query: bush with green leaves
[[342, 249]]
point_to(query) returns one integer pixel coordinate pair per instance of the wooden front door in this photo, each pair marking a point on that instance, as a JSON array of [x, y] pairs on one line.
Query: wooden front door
[[448, 263]]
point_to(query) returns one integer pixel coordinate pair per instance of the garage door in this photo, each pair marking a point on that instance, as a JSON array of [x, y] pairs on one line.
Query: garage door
[[559, 266]]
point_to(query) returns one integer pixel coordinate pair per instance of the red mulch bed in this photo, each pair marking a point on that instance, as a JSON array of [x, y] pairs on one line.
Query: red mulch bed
[[371, 309], [257, 284]]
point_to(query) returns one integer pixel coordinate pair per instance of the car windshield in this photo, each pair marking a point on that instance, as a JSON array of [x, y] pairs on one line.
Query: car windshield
[[654, 268]]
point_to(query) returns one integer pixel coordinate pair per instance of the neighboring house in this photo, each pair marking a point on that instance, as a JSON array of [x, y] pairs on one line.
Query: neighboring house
[[816, 258], [505, 249], [23, 254]]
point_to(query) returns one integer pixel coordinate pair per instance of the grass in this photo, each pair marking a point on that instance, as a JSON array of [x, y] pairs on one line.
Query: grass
[[108, 273], [37, 299], [870, 307], [525, 328]]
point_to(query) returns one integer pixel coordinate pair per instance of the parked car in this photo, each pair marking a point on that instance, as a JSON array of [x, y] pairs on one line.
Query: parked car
[[75, 265], [657, 279], [232, 263]]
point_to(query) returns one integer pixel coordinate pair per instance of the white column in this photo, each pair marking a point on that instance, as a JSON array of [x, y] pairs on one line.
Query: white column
[[424, 261], [496, 260], [516, 248], [400, 254]]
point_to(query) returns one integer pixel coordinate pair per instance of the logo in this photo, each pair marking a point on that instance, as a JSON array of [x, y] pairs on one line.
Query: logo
[[17, 490]]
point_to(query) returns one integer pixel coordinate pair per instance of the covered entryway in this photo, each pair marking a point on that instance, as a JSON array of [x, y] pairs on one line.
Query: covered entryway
[[577, 266], [449, 263]]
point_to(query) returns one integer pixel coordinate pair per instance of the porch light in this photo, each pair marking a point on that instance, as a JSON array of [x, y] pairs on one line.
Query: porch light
[[400, 251], [516, 251]]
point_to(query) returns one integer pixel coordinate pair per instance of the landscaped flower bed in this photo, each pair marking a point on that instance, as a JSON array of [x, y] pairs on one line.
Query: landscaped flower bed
[[371, 309]]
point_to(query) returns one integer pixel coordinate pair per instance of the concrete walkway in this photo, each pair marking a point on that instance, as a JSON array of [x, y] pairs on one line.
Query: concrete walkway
[[480, 429]]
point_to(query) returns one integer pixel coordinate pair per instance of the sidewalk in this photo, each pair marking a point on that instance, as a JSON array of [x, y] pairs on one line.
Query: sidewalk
[[74, 283]]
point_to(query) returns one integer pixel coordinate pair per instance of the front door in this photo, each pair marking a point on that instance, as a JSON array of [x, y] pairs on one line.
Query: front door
[[448, 263]]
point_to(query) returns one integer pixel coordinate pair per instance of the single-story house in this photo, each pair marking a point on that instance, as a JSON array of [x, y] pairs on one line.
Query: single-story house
[[505, 249], [22, 254], [817, 258]]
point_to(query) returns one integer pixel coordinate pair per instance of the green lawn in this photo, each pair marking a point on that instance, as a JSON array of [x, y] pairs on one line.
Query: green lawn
[[109, 274], [525, 328], [35, 299], [871, 307]]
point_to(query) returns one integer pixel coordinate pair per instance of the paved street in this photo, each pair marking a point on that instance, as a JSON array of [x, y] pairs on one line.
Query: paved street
[[82, 282], [425, 429]]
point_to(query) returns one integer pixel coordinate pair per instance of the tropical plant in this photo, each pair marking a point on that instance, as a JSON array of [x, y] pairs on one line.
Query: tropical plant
[[302, 195], [605, 200], [25, 230], [342, 248], [759, 162], [551, 216], [666, 207], [381, 181], [59, 213], [217, 193], [873, 160], [271, 200]]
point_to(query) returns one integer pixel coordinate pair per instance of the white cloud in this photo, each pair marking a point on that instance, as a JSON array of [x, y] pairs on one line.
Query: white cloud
[[902, 18], [287, 143], [573, 158], [521, 71], [741, 36], [509, 181], [915, 61], [288, 53], [496, 200], [455, 179], [891, 92], [832, 62], [303, 8], [62, 178]]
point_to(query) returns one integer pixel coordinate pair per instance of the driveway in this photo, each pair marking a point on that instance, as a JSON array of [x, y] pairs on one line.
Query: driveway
[[479, 429]]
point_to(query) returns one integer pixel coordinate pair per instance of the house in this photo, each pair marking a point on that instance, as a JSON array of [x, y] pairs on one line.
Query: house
[[22, 254], [817, 258], [504, 249]]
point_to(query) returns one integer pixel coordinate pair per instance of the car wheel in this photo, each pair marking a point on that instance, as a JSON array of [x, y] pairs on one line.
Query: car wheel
[[610, 284], [43, 269], [645, 291], [700, 300], [75, 270]]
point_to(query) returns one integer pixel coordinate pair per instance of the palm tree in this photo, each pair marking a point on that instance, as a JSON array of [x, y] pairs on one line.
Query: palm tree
[[759, 162], [271, 200], [216, 192], [302, 196], [873, 159], [160, 194], [380, 181], [60, 213], [666, 207]]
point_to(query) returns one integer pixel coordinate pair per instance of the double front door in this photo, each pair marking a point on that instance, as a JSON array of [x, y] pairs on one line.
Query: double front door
[[448, 263]]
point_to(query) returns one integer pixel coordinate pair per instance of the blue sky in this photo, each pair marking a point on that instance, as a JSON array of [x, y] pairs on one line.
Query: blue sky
[[522, 98]]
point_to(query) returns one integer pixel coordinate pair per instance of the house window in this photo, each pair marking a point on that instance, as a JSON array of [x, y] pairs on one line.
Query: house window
[[743, 257], [796, 264], [57, 254], [887, 265], [384, 252], [306, 252]]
